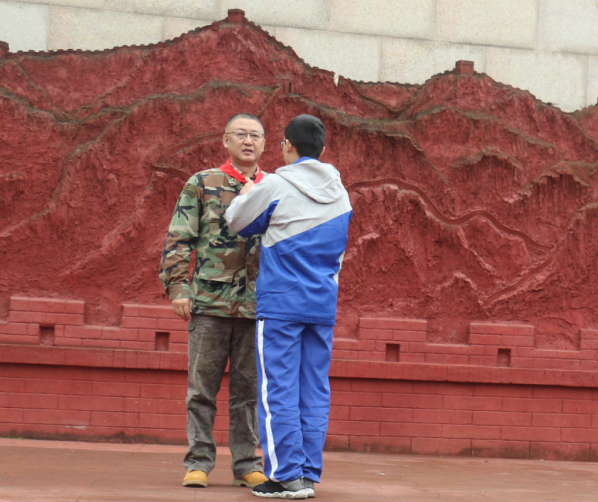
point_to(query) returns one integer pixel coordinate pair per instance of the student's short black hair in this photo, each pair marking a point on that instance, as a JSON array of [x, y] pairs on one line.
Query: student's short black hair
[[243, 116], [307, 134]]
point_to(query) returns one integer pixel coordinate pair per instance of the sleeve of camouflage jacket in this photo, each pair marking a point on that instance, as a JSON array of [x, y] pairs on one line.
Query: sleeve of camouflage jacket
[[181, 240]]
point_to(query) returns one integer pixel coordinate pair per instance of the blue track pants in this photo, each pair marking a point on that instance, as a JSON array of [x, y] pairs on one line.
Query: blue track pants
[[293, 360]]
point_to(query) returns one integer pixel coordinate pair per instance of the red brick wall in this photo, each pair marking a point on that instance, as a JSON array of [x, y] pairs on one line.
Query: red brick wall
[[392, 391], [443, 418]]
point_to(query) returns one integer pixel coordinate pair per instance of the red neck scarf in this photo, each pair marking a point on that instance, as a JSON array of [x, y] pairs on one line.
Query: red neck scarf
[[227, 168]]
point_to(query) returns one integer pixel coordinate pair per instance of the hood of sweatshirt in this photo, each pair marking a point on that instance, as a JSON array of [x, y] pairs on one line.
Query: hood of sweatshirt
[[317, 180]]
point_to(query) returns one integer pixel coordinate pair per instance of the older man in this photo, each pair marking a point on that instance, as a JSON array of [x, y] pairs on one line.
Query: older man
[[219, 304]]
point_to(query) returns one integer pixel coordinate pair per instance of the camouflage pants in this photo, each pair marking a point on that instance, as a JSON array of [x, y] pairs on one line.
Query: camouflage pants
[[212, 340]]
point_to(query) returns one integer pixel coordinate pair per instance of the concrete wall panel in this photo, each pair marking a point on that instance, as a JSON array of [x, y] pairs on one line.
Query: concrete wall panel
[[556, 78], [175, 26], [400, 18], [510, 23], [498, 64], [569, 26], [306, 14], [352, 56], [592, 90], [94, 30], [415, 61], [199, 9], [23, 26], [88, 4]]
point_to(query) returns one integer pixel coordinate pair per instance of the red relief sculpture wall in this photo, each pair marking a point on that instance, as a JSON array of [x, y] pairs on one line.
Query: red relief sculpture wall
[[471, 262]]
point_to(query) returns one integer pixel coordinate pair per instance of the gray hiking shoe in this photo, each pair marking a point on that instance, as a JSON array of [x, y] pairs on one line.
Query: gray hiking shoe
[[308, 486]]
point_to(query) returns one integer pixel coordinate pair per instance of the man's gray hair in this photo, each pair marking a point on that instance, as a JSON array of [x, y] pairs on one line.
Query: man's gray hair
[[243, 116]]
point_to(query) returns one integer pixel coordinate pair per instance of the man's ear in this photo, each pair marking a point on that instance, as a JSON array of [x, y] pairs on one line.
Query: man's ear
[[323, 151], [225, 141]]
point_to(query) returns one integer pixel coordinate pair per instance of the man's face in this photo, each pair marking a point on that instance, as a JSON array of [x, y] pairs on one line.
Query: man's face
[[244, 150]]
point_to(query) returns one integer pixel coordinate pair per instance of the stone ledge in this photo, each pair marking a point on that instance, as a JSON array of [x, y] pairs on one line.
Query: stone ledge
[[92, 357], [170, 361]]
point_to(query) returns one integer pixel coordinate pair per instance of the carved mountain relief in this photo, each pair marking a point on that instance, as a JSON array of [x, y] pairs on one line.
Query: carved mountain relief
[[473, 201]]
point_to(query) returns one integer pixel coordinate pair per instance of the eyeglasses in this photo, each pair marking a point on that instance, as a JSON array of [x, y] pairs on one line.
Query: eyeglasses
[[241, 135]]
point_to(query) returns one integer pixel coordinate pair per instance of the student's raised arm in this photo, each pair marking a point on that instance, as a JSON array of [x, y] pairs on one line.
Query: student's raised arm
[[249, 214]]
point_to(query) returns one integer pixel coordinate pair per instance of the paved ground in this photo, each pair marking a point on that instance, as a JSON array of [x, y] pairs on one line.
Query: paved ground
[[60, 471]]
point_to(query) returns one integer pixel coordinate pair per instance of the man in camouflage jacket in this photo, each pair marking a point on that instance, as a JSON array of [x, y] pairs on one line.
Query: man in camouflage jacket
[[219, 304]]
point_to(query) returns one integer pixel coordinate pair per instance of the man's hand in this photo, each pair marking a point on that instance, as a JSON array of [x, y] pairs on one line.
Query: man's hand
[[248, 186], [182, 308]]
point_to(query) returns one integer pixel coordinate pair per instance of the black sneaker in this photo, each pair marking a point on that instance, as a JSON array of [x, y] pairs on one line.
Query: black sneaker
[[274, 490]]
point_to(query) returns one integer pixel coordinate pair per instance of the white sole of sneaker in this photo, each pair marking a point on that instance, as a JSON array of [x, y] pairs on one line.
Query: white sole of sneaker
[[288, 495]]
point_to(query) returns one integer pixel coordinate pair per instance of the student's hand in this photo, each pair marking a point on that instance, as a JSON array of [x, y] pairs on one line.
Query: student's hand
[[182, 307], [248, 186]]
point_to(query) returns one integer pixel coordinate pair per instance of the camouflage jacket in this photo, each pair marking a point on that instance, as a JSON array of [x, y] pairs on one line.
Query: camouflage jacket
[[226, 264]]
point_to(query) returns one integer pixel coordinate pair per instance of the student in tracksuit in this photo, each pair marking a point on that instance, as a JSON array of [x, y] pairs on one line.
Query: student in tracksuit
[[303, 212]]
